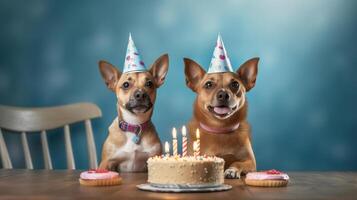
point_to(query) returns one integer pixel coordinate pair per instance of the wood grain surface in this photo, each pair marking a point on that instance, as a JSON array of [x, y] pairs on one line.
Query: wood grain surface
[[63, 184]]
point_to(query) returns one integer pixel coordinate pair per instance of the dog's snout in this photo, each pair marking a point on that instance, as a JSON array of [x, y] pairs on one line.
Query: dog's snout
[[222, 96], [140, 95]]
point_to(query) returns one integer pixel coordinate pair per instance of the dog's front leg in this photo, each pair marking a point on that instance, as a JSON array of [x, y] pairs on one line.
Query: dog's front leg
[[103, 164], [142, 156], [239, 167], [150, 152], [110, 164], [247, 164], [113, 164]]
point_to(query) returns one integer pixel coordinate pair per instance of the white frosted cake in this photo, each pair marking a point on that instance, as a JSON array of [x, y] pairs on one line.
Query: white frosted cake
[[197, 171]]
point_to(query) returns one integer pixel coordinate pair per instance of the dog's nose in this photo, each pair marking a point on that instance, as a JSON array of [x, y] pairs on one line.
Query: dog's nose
[[222, 95], [140, 95]]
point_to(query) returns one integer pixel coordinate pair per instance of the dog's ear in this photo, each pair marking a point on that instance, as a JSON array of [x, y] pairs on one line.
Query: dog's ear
[[248, 72], [159, 69], [194, 73], [110, 74]]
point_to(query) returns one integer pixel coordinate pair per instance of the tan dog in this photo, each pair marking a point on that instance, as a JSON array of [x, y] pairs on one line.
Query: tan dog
[[132, 137], [220, 112]]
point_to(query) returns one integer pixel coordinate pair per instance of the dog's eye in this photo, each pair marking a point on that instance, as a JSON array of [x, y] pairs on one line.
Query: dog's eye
[[149, 84], [208, 84], [126, 85], [235, 85]]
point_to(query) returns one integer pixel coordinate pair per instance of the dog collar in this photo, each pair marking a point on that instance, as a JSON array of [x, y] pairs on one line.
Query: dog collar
[[219, 130], [133, 128]]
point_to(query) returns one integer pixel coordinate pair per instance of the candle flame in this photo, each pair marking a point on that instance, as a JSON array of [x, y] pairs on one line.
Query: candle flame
[[184, 131], [174, 133], [167, 147], [197, 133]]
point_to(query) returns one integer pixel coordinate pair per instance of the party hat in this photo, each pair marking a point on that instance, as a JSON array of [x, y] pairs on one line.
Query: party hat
[[220, 61], [133, 62]]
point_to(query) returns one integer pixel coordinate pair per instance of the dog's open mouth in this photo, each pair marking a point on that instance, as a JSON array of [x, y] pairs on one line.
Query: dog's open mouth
[[221, 111], [136, 109], [140, 109]]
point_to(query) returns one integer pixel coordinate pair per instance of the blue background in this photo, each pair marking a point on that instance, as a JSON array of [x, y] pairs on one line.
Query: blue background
[[303, 108]]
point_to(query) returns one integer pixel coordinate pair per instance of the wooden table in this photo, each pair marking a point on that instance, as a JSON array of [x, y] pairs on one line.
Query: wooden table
[[62, 184]]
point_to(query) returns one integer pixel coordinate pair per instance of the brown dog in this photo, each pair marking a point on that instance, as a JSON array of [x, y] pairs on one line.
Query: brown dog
[[220, 112], [132, 137]]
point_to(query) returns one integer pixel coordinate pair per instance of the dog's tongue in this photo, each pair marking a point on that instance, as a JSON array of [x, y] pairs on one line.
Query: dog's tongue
[[221, 110]]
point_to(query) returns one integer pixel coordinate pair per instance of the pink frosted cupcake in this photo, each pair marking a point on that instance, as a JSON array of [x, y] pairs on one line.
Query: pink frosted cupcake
[[271, 178], [99, 177]]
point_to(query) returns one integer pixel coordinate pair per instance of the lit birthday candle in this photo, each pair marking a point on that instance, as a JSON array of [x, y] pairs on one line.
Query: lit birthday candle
[[174, 141], [184, 141], [167, 149], [195, 148], [198, 142]]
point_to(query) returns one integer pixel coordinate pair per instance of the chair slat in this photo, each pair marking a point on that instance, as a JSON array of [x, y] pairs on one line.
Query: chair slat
[[69, 151], [46, 118], [27, 153], [93, 163], [5, 158], [41, 119], [46, 152]]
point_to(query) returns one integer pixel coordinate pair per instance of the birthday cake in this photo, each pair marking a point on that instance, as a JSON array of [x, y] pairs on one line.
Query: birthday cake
[[187, 171]]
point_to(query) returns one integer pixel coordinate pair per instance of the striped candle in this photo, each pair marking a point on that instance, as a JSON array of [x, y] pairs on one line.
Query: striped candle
[[195, 152], [184, 141], [174, 141], [198, 142]]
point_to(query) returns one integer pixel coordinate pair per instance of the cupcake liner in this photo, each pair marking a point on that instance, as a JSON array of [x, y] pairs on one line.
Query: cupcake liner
[[267, 183], [101, 182]]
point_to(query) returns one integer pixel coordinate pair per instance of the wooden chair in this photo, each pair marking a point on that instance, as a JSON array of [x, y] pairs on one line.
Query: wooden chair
[[26, 120]]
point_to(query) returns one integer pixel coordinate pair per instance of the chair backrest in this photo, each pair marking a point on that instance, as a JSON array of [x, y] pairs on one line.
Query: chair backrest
[[26, 120]]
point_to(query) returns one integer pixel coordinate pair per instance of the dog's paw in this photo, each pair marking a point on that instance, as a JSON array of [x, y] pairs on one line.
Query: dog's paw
[[232, 173], [113, 166]]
